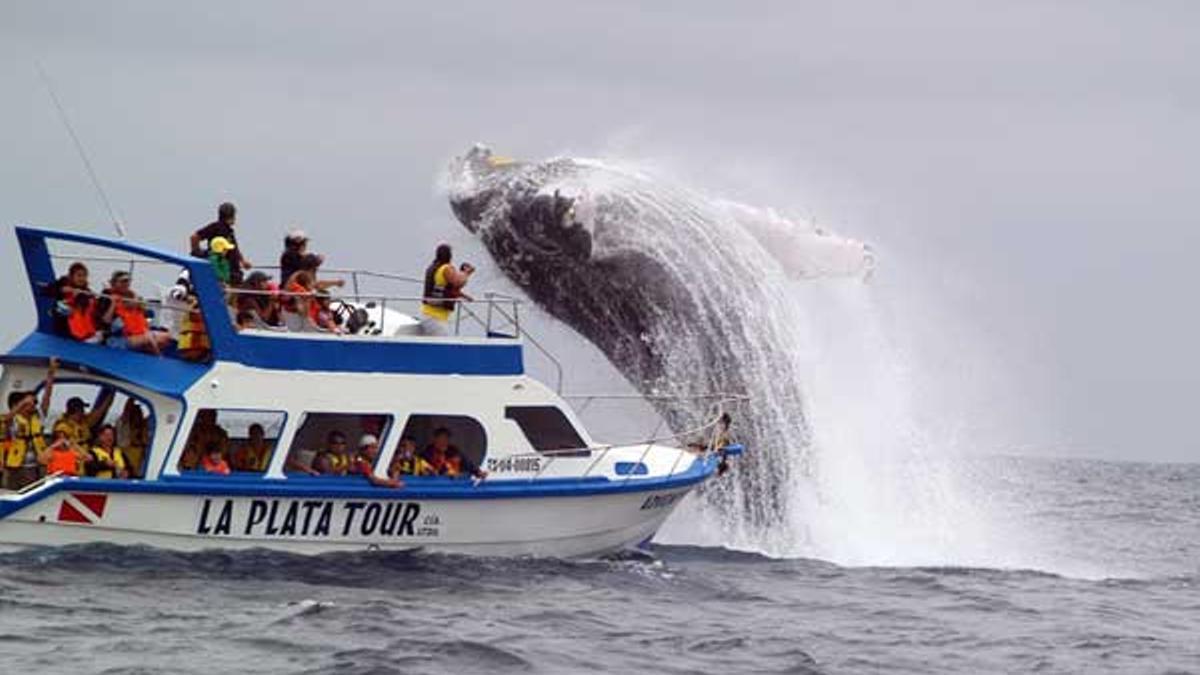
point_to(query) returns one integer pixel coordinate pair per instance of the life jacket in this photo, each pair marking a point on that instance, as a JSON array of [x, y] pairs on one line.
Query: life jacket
[[452, 465], [248, 458], [338, 463], [81, 321], [115, 456], [220, 466], [437, 292], [64, 461], [133, 318], [26, 435], [412, 466], [76, 431], [193, 336]]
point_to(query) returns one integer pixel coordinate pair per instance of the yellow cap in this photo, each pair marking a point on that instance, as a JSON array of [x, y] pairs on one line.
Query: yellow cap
[[220, 245]]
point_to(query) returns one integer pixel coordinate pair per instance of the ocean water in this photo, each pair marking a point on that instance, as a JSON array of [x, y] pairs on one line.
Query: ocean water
[[1116, 589]]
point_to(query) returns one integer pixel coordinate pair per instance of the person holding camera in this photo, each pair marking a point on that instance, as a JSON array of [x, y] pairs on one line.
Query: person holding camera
[[443, 291]]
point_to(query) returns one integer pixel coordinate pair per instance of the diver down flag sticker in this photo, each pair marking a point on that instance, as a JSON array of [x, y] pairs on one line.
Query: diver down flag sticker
[[77, 507]]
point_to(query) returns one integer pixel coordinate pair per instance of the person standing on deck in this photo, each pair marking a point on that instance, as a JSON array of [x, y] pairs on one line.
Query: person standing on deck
[[222, 227], [443, 283], [26, 435]]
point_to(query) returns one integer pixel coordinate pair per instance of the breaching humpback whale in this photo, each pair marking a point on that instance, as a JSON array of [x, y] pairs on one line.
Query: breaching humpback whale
[[681, 293]]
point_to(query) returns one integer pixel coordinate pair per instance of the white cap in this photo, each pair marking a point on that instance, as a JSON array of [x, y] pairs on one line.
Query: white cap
[[367, 439], [297, 235]]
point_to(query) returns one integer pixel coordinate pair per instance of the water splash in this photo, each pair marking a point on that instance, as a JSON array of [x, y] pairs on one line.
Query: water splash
[[840, 467]]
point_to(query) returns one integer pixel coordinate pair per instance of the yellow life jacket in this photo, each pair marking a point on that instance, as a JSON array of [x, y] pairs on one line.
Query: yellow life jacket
[[115, 456], [434, 305], [412, 466], [27, 433], [79, 432]]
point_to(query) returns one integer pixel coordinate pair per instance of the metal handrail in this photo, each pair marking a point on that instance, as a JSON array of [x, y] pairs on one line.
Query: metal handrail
[[492, 299], [713, 424]]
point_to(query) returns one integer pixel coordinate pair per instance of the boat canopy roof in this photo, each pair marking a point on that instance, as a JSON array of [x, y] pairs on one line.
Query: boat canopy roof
[[492, 355]]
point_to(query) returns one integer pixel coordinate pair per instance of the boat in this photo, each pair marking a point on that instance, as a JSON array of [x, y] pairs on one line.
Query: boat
[[549, 488]]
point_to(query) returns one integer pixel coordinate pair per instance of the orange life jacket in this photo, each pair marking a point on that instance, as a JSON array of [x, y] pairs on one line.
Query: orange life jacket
[[64, 461], [133, 317], [219, 466], [81, 321]]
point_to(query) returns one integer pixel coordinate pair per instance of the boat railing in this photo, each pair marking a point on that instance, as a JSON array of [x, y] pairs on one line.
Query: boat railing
[[706, 438], [497, 314]]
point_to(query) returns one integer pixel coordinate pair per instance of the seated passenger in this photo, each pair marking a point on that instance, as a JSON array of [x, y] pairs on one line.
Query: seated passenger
[[295, 462], [123, 315], [63, 457], [261, 302], [194, 344], [204, 431], [133, 436], [325, 319], [408, 462], [363, 463], [253, 454], [299, 309], [107, 460], [334, 459], [447, 459], [75, 305], [214, 460]]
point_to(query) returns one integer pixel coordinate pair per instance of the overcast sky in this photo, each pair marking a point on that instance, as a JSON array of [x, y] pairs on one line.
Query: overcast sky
[[1028, 170]]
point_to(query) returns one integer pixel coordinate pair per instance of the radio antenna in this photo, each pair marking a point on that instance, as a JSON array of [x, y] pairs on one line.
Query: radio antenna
[[87, 164]]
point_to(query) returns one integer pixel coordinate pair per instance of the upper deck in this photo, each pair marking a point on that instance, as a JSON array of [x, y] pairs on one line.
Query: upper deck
[[491, 353]]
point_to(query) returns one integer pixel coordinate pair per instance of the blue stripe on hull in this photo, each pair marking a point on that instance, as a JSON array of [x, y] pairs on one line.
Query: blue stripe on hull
[[357, 488]]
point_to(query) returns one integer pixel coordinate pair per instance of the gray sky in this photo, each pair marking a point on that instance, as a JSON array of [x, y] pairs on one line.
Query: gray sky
[[1024, 167]]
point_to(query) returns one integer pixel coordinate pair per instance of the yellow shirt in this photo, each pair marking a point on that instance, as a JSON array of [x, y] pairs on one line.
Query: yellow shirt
[[439, 313]]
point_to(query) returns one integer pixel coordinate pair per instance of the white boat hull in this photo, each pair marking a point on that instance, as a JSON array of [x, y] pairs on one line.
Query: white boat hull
[[76, 512]]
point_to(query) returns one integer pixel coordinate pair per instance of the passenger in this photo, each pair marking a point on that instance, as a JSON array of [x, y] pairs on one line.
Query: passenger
[[300, 310], [325, 319], [78, 423], [204, 432], [22, 461], [124, 313], [63, 457], [408, 462], [262, 303], [448, 460], [75, 308], [194, 343], [253, 454], [334, 459], [107, 460], [442, 284], [214, 460], [133, 436], [219, 249], [293, 463], [245, 321], [363, 463], [296, 257], [223, 227]]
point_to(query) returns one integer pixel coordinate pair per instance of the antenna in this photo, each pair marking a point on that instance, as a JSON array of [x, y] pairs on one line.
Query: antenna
[[87, 164]]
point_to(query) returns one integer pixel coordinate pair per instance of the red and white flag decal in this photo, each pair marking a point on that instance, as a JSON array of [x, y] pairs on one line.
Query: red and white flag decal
[[81, 507]]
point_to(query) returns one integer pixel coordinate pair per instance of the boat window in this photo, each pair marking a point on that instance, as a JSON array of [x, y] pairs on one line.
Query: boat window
[[85, 408], [317, 428], [246, 439], [465, 432], [546, 427]]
